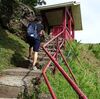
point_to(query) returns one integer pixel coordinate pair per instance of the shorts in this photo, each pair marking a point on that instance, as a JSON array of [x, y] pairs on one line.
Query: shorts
[[35, 43]]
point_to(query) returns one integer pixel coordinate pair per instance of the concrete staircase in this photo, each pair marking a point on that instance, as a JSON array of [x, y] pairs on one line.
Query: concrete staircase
[[15, 81]]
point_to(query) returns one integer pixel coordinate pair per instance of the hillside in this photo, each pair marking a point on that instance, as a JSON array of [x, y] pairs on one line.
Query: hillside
[[13, 50], [84, 61]]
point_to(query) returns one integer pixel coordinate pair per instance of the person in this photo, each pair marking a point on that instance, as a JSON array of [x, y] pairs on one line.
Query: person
[[34, 43]]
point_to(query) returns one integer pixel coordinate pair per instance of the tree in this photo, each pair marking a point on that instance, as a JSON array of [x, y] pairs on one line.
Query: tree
[[6, 11], [7, 8], [33, 3]]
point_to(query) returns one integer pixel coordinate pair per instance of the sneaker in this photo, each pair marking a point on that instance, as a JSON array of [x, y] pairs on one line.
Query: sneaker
[[34, 68]]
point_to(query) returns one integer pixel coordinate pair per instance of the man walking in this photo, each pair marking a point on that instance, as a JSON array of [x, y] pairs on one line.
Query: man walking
[[35, 30]]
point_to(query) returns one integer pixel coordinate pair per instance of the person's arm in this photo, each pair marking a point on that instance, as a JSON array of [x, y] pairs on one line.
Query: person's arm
[[42, 32]]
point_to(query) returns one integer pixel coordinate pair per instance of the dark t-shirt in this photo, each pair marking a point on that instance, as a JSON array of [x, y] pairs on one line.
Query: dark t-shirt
[[31, 29], [39, 27]]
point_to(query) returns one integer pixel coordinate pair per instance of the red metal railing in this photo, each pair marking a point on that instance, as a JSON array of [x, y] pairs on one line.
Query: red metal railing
[[69, 32], [53, 59]]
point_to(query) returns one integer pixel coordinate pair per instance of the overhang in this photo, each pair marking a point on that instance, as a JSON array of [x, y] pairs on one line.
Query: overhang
[[76, 11]]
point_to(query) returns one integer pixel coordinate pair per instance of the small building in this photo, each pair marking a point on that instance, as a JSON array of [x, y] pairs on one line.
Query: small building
[[61, 16]]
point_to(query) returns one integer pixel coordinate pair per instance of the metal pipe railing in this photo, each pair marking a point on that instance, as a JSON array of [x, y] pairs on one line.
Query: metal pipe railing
[[44, 74], [70, 81], [53, 58], [68, 66]]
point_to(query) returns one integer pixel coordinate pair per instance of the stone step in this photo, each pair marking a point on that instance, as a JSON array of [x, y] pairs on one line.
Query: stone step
[[12, 86], [21, 72], [50, 49], [42, 63], [43, 58], [44, 54], [13, 81]]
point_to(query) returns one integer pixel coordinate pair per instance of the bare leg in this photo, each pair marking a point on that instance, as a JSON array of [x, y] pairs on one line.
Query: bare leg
[[35, 56], [30, 52]]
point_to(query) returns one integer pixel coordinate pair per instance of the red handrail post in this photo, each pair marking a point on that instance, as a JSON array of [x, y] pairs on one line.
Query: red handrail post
[[57, 44], [71, 82], [49, 87], [68, 66], [54, 59]]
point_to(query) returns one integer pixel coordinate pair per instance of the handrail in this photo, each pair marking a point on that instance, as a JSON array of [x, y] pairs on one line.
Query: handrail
[[46, 79], [70, 81], [53, 38]]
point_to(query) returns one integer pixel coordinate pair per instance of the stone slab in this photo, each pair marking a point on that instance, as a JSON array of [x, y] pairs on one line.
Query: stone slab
[[21, 72], [11, 86]]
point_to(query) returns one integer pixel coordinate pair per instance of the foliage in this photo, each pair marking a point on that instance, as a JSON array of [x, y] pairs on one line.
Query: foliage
[[12, 50], [26, 95], [12, 10], [71, 50], [96, 51], [86, 75], [29, 2], [90, 46], [33, 3], [7, 8]]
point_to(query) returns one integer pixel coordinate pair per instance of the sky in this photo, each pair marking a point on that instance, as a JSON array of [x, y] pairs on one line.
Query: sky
[[90, 20]]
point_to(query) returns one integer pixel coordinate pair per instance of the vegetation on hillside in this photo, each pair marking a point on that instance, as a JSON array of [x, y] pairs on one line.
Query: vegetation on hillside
[[86, 68], [95, 49], [12, 10], [7, 8], [13, 50]]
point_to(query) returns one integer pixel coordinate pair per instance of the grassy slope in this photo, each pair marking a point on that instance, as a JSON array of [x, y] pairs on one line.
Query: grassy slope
[[87, 73], [91, 68], [12, 50]]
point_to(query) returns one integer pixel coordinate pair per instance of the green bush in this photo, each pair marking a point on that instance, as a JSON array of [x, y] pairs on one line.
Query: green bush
[[96, 51]]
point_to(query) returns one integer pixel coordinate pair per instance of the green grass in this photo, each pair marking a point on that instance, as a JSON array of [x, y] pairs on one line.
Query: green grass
[[86, 74], [12, 50], [95, 49]]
